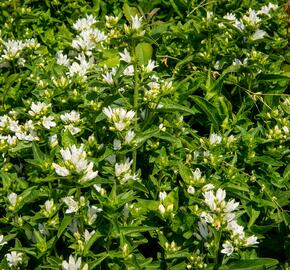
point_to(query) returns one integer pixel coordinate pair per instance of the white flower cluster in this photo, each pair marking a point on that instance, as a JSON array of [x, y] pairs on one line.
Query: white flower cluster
[[123, 171], [13, 48], [85, 42], [71, 120], [120, 118], [222, 216], [252, 19], [11, 131], [135, 27], [74, 161]]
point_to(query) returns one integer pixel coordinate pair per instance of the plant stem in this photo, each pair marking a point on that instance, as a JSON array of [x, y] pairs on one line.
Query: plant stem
[[135, 101]]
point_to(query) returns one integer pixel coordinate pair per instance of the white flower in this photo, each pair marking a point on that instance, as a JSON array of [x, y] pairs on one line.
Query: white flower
[[136, 22], [89, 174], [108, 77], [150, 66], [72, 264], [53, 140], [84, 23], [204, 230], [266, 9], [73, 206], [235, 228], [88, 235], [117, 144], [206, 217], [61, 171], [61, 59], [129, 71], [72, 129], [12, 197], [230, 17], [97, 187], [123, 168], [47, 122], [125, 56], [2, 242], [231, 206], [92, 213], [215, 139], [130, 135], [162, 195], [70, 117], [196, 174], [259, 34], [161, 209], [12, 49], [208, 187], [228, 248], [14, 258], [119, 117], [252, 240], [49, 206], [252, 19], [37, 108], [191, 190]]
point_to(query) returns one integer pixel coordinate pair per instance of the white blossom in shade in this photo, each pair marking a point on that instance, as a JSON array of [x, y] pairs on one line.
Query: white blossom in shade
[[72, 264], [43, 229], [240, 25], [129, 71], [53, 141], [12, 49], [14, 258], [206, 217], [88, 235], [196, 174], [162, 195], [60, 170], [161, 209], [150, 66], [70, 117], [252, 18], [125, 56], [84, 23], [208, 187], [47, 122], [228, 248], [215, 139], [92, 213], [130, 135], [266, 9], [230, 17], [62, 59], [191, 190], [73, 226], [12, 198], [37, 108], [2, 242], [136, 22], [117, 144], [72, 129], [49, 206], [111, 159], [72, 205], [204, 230], [108, 76], [250, 241], [259, 34]]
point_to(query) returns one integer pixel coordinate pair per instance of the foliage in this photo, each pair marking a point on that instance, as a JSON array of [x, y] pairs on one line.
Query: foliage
[[144, 135]]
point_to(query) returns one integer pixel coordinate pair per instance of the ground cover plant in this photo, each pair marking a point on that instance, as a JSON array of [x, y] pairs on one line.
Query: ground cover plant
[[144, 134]]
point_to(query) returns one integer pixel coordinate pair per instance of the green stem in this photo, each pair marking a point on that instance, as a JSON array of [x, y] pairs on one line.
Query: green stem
[[135, 101]]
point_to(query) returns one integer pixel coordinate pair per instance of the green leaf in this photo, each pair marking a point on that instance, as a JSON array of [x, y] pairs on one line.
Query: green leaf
[[143, 52], [256, 264], [92, 240], [67, 139], [64, 223], [168, 105], [268, 160], [209, 110], [185, 173], [129, 12], [37, 154]]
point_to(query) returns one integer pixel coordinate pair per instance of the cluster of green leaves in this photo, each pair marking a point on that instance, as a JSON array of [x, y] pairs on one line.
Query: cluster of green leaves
[[225, 83]]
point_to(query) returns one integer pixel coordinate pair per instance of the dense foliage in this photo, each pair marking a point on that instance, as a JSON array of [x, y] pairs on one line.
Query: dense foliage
[[144, 134]]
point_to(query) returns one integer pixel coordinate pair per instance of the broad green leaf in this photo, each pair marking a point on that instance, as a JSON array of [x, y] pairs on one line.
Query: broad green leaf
[[185, 173], [256, 264], [143, 52], [209, 110], [64, 223], [130, 12], [67, 139]]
